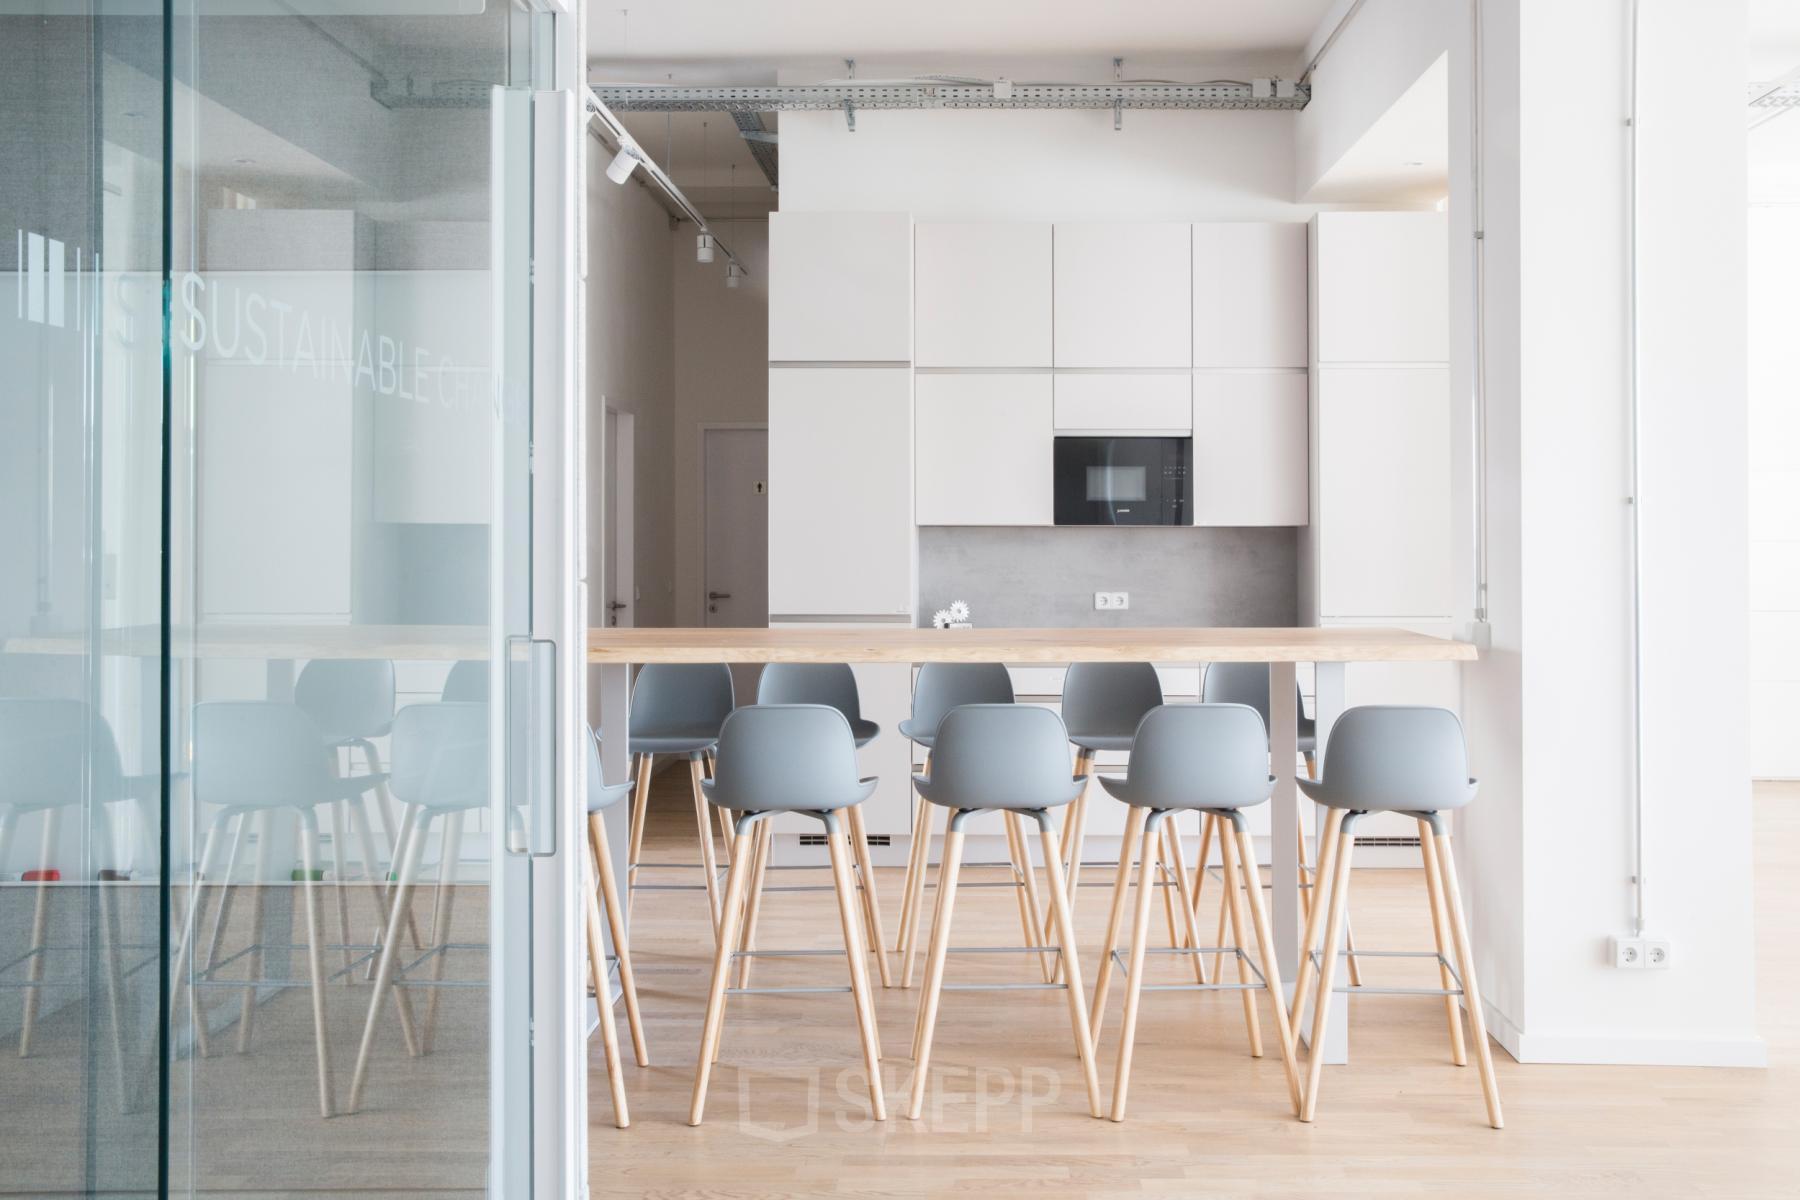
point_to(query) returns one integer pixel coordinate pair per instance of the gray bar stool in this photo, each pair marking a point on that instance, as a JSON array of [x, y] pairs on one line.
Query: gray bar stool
[[467, 680], [833, 685], [58, 756], [1248, 683], [1212, 759], [939, 688], [352, 701], [1410, 760], [440, 770], [798, 758], [251, 757], [677, 708], [600, 797], [1102, 704], [1012, 759]]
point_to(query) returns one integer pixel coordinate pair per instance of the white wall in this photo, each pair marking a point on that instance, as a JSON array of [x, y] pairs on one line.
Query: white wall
[[631, 340], [1375, 60], [721, 376], [1548, 844], [1060, 165]]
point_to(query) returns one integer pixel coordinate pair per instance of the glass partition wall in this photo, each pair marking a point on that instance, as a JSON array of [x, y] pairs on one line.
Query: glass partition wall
[[263, 568]]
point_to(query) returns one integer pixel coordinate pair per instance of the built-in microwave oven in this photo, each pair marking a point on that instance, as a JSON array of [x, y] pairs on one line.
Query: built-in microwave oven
[[1124, 480]]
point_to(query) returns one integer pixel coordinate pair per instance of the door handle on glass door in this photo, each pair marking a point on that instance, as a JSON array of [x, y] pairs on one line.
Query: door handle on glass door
[[718, 595]]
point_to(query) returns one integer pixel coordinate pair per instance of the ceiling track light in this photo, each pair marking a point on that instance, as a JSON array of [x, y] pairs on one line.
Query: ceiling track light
[[703, 248], [622, 165], [733, 273]]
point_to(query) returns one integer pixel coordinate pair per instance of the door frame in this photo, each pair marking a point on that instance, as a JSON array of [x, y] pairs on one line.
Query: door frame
[[700, 432], [621, 460]]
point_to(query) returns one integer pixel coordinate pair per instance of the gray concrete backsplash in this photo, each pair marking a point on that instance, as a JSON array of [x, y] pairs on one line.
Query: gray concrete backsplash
[[1023, 577]]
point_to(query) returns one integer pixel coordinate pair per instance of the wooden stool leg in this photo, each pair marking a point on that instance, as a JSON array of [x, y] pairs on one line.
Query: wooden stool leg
[[735, 881], [1191, 922], [1465, 966], [760, 849], [1271, 970], [359, 819], [601, 850], [934, 970], [703, 823], [1334, 931], [907, 878], [259, 900], [1236, 879], [859, 970], [408, 855], [228, 892], [919, 880], [1226, 899], [609, 1029], [1207, 824], [40, 921], [196, 906], [340, 881], [1134, 977], [1434, 896], [1069, 847], [315, 955], [1033, 924], [1315, 920], [450, 854], [865, 869], [1306, 891], [1071, 959], [1134, 828], [640, 812], [1163, 837]]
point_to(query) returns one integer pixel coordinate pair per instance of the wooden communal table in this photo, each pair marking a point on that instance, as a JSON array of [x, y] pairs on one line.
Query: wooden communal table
[[616, 650]]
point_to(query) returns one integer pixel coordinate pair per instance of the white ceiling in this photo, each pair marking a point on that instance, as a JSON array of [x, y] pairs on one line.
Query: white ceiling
[[1404, 157], [673, 31], [1774, 37]]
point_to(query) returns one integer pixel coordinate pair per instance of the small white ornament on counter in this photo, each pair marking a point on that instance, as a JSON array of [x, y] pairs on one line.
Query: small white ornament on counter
[[954, 617]]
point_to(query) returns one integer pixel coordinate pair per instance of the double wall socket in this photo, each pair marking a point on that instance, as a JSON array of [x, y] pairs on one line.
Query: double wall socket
[[1112, 600], [1640, 954]]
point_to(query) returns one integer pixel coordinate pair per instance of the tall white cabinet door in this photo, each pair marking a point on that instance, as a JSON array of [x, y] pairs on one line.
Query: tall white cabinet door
[[1384, 492], [982, 294], [1124, 295], [840, 287], [1250, 294], [1250, 448], [986, 451], [1379, 286], [841, 535]]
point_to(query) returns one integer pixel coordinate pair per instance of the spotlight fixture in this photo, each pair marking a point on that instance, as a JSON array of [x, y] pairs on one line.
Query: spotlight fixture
[[733, 273], [622, 165], [703, 248]]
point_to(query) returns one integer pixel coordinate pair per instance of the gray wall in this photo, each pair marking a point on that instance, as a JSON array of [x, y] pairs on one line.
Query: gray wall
[[1019, 577]]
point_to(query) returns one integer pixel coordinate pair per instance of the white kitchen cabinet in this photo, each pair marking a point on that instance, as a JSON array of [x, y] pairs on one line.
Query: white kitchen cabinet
[[1132, 404], [986, 451], [841, 535], [1250, 452], [840, 287], [1383, 535], [982, 294], [1250, 295], [1124, 295], [1380, 287]]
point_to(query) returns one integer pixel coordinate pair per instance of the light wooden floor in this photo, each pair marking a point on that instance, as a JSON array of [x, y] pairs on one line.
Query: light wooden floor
[[786, 1116]]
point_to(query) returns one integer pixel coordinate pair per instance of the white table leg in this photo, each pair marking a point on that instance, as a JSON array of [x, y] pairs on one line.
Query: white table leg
[[1284, 736], [615, 763], [1328, 704]]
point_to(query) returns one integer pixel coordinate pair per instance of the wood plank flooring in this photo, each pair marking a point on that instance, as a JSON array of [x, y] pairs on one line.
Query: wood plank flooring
[[786, 1118]]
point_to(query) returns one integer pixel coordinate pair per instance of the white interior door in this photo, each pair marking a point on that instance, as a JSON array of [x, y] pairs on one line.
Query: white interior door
[[737, 538]]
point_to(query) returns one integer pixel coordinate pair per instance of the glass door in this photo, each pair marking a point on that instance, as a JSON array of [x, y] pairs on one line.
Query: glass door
[[288, 640]]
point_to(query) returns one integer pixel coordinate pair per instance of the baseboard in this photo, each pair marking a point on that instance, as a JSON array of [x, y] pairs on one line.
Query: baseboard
[[1640, 1050]]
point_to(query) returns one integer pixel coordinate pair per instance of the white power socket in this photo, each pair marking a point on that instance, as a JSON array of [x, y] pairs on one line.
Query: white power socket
[[1641, 954], [1112, 600]]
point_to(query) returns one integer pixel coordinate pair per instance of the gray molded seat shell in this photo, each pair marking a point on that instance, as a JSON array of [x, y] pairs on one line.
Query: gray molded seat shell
[[1000, 756], [943, 686], [1102, 703], [266, 754], [679, 708], [55, 753], [1394, 758], [439, 754], [786, 758], [601, 795], [833, 684], [349, 699], [467, 680], [1205, 757], [1248, 683]]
